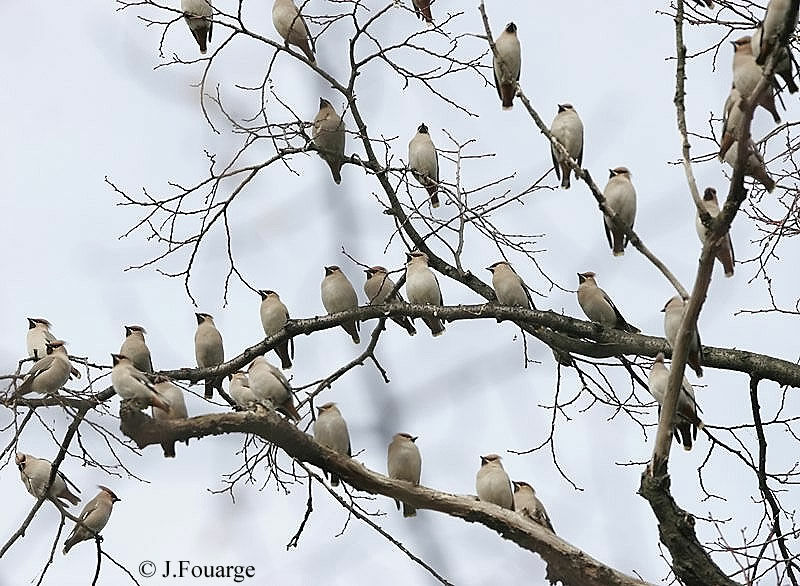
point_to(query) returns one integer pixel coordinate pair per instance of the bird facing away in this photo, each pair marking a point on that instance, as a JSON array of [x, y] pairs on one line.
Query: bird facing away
[[783, 65], [423, 10], [240, 390], [48, 374], [378, 287], [270, 387], [567, 128], [274, 316], [423, 161], [686, 421], [173, 396], [198, 16], [528, 505], [493, 484], [93, 517], [597, 305], [35, 472], [509, 286], [422, 288], [328, 136], [290, 25], [620, 198], [38, 336], [135, 348], [404, 462], [725, 251], [330, 430], [747, 73], [208, 350], [507, 64], [779, 23], [673, 314], [754, 165], [338, 295], [131, 383]]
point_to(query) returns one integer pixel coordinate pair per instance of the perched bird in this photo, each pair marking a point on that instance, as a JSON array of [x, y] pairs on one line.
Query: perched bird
[[725, 250], [597, 305], [290, 25], [509, 286], [731, 121], [198, 16], [338, 295], [38, 336], [135, 348], [493, 484], [328, 136], [274, 316], [378, 287], [423, 10], [240, 390], [35, 472], [269, 385], [423, 161], [673, 314], [567, 128], [94, 517], [686, 421], [754, 166], [208, 349], [747, 74], [783, 65], [131, 383], [173, 396], [330, 430], [778, 25], [404, 462], [48, 374], [422, 288], [621, 199], [528, 505], [507, 64]]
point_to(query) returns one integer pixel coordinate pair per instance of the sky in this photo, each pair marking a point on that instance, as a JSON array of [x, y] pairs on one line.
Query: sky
[[87, 102]]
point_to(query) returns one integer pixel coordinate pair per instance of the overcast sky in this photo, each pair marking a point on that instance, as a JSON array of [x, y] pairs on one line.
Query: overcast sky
[[84, 102]]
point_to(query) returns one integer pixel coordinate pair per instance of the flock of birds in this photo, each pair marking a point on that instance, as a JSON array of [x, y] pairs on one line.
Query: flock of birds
[[132, 374]]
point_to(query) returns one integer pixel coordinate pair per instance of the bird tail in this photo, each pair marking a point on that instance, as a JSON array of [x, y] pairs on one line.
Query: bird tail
[[619, 242], [209, 389], [282, 350], [764, 179], [69, 496], [565, 173], [435, 324], [334, 480], [507, 91], [71, 541], [433, 192], [350, 328], [695, 361], [289, 410], [409, 511], [309, 53], [169, 449], [336, 171], [406, 324], [631, 329]]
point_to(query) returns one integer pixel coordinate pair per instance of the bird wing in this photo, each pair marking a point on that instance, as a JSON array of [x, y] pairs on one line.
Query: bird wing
[[608, 232], [41, 365], [497, 84], [556, 166]]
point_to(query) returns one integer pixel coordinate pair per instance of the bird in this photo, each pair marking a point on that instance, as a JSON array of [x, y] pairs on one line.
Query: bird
[[338, 295], [135, 348], [48, 374], [686, 421], [269, 385], [780, 21], [378, 287], [731, 121], [93, 518], [725, 251], [567, 128], [131, 383], [422, 288], [423, 10], [597, 305], [35, 472], [621, 199], [754, 165], [208, 349], [274, 316], [783, 63], [173, 396], [330, 430], [290, 25], [328, 136], [507, 63], [747, 73], [493, 484], [404, 462], [240, 390], [198, 16], [673, 314], [509, 287], [528, 505], [423, 160], [38, 336]]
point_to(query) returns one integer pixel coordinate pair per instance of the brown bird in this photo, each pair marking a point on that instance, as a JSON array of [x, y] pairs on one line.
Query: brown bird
[[328, 136], [747, 74], [754, 165], [507, 64], [725, 251], [135, 348], [173, 396], [423, 160], [274, 316], [567, 128], [423, 10], [528, 505], [673, 314], [378, 287], [404, 462], [35, 472], [686, 421], [94, 517], [597, 305], [338, 295], [198, 16], [290, 25], [621, 199], [208, 350]]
